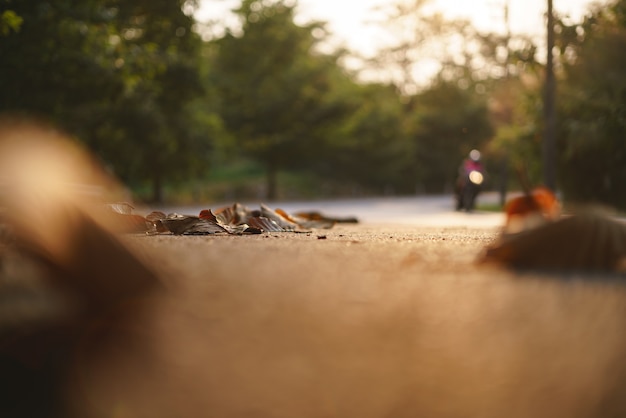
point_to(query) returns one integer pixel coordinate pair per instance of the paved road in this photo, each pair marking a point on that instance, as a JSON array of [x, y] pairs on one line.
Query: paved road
[[365, 321]]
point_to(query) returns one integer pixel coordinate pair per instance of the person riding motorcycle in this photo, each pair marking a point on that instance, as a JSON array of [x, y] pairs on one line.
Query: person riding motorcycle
[[469, 182]]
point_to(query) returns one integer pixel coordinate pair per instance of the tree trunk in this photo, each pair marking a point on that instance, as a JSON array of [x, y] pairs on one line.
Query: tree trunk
[[549, 138], [272, 174], [157, 188]]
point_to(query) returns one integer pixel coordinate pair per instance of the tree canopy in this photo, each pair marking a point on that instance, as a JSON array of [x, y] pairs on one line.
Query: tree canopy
[[279, 96], [449, 122], [134, 81], [593, 107], [119, 75]]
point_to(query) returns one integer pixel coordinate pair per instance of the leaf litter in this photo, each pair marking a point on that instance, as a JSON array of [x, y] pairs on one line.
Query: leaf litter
[[535, 236], [236, 219]]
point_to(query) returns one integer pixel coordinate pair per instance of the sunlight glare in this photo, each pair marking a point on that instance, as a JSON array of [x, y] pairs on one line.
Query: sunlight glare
[[357, 24], [352, 22]]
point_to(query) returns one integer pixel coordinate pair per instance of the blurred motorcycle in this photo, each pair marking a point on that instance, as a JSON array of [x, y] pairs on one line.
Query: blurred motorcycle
[[469, 183]]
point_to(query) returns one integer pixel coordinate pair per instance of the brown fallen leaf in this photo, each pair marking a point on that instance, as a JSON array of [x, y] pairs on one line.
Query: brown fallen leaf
[[126, 221], [190, 225], [264, 224], [586, 242], [130, 223], [227, 222], [284, 222], [237, 214], [65, 276], [307, 223], [208, 215], [156, 217], [48, 202], [318, 216], [123, 208], [205, 224], [258, 221], [535, 207]]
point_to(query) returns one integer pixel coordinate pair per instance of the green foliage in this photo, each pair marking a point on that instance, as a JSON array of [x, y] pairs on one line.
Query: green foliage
[[159, 106], [593, 109], [120, 75], [515, 105], [277, 92], [9, 22], [449, 122], [48, 63], [370, 149]]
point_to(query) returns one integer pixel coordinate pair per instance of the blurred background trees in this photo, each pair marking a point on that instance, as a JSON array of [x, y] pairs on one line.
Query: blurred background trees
[[280, 98], [593, 107], [119, 75], [267, 105]]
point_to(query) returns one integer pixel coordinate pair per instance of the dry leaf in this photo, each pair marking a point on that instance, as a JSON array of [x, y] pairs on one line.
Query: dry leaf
[[208, 215], [190, 225], [319, 223], [70, 275], [280, 220], [156, 218], [265, 224], [49, 202], [318, 216], [589, 242], [532, 209], [266, 220], [123, 208]]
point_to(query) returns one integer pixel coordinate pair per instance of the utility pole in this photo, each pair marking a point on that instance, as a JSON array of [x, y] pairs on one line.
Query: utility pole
[[507, 25], [504, 168], [549, 109], [508, 117]]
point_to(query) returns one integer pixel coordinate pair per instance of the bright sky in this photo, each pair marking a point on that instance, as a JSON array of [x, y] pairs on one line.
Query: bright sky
[[350, 20], [525, 16]]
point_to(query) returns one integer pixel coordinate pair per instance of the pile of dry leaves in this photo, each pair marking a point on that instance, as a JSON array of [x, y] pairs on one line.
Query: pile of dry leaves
[[236, 220]]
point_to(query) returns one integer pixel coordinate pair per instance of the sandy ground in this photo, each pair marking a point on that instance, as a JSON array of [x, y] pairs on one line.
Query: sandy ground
[[360, 321]]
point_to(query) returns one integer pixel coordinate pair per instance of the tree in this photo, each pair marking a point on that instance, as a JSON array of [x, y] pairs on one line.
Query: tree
[[515, 104], [117, 74], [371, 150], [277, 91], [593, 107], [49, 66], [9, 20], [449, 121], [447, 116], [421, 40], [549, 108]]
